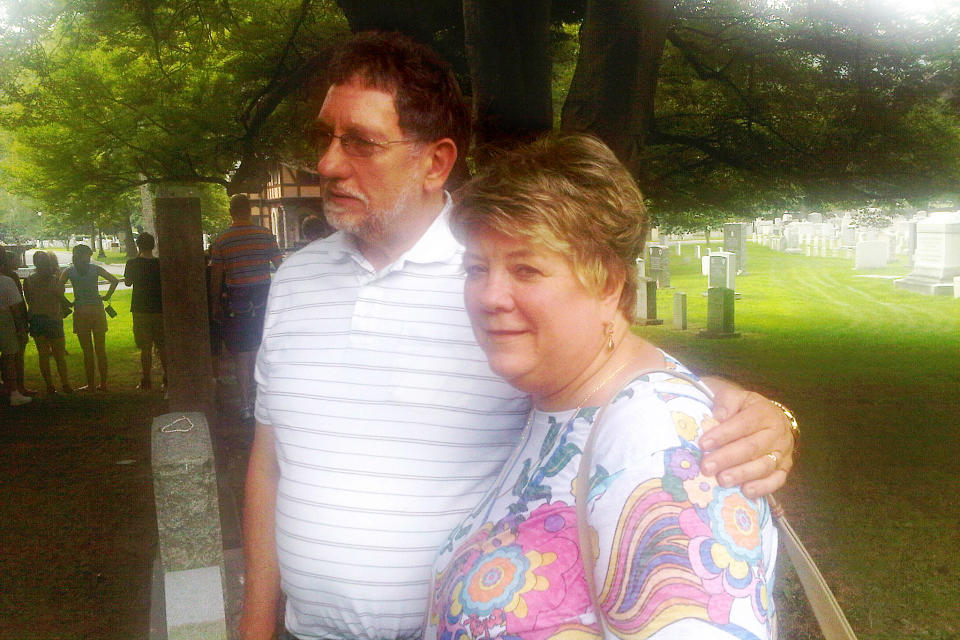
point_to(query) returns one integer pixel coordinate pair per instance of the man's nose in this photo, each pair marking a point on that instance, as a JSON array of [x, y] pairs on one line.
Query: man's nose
[[333, 162]]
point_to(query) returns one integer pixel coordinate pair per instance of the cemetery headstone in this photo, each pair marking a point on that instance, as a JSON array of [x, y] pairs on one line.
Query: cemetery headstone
[[646, 310], [871, 255], [680, 311], [722, 270], [735, 241], [720, 310], [848, 236], [815, 218], [658, 257], [937, 259], [791, 238]]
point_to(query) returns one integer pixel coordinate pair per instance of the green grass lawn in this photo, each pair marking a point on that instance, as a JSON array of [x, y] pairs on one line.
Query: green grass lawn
[[123, 358], [873, 373]]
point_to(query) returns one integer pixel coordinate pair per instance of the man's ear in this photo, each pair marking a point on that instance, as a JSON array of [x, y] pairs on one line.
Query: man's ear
[[440, 157]]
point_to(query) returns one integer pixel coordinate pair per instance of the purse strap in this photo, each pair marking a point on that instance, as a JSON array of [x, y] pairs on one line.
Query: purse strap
[[833, 623]]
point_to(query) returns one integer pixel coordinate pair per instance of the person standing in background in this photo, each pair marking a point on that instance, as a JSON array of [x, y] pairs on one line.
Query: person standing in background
[[13, 332], [89, 319], [240, 260], [8, 267], [44, 296], [146, 305]]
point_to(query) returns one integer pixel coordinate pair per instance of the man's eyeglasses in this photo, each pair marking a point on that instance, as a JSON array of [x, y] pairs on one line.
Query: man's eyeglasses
[[352, 144]]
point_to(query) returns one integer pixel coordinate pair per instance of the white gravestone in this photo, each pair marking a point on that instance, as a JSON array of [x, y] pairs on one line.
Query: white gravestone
[[937, 259], [722, 270], [871, 255]]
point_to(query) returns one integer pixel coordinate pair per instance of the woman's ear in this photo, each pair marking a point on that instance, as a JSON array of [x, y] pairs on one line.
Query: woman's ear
[[440, 157]]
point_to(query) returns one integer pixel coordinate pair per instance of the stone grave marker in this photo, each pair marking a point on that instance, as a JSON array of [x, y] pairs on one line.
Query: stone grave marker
[[871, 254], [722, 270], [680, 310], [658, 257], [720, 314], [646, 310], [735, 241], [937, 259], [791, 238]]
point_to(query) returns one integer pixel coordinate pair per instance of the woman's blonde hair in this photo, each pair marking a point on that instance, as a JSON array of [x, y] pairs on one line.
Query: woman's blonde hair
[[570, 194]]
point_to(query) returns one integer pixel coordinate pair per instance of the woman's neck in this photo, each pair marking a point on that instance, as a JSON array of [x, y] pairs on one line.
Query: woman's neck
[[604, 375]]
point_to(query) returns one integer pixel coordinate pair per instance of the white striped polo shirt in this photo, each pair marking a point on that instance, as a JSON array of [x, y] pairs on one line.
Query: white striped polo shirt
[[389, 427]]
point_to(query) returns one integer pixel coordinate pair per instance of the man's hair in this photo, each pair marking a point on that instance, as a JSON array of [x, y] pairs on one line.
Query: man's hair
[[239, 205], [81, 249], [427, 97], [145, 242], [570, 194]]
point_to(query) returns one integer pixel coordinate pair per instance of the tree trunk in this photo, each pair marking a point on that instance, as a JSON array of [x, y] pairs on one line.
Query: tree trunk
[[615, 81], [508, 50], [129, 245]]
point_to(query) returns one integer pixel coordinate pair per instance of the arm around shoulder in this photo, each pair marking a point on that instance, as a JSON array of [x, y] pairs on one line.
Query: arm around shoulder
[[754, 442]]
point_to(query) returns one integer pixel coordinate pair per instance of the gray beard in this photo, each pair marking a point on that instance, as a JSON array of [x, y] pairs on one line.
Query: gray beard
[[376, 224]]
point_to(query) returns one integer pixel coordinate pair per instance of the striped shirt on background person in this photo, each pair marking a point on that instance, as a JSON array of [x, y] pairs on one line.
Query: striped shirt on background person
[[245, 252], [389, 427]]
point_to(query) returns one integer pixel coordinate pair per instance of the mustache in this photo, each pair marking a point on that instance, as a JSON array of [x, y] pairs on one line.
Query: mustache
[[342, 191]]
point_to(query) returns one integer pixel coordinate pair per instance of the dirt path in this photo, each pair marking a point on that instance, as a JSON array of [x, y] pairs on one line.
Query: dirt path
[[77, 521]]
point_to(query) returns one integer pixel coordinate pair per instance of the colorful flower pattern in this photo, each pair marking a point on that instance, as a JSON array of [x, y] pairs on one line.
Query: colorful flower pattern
[[683, 547]]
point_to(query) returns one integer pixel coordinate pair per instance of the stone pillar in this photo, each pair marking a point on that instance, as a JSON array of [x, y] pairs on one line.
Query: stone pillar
[[680, 310], [185, 317], [188, 524]]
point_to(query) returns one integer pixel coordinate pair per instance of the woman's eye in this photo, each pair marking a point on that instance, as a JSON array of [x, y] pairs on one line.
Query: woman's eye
[[473, 270], [525, 271]]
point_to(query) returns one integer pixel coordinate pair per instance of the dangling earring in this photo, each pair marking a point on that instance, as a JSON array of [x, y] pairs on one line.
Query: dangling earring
[[608, 331]]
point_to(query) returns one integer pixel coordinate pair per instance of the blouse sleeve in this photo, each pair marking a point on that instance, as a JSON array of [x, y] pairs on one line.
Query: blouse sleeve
[[677, 555]]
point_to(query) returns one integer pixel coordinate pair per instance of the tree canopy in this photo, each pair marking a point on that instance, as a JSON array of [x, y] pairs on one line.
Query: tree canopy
[[717, 106]]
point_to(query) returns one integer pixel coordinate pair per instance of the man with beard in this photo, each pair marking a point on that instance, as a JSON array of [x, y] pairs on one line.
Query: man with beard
[[379, 422]]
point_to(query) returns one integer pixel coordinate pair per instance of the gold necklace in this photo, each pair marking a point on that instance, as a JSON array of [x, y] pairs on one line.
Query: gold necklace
[[583, 402]]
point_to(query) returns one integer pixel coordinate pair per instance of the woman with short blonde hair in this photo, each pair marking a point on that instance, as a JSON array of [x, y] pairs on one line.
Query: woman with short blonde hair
[[552, 231]]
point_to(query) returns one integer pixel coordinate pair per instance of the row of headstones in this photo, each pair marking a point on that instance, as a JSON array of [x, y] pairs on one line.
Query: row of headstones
[[720, 267], [870, 248], [657, 263]]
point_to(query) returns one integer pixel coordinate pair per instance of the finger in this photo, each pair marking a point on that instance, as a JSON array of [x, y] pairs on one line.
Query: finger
[[765, 486], [739, 452], [737, 426], [758, 469]]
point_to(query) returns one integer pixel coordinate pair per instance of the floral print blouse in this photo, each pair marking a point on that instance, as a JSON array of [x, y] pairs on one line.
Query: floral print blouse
[[677, 555]]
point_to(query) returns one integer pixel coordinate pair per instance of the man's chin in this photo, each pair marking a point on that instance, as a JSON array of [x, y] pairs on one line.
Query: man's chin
[[342, 219]]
